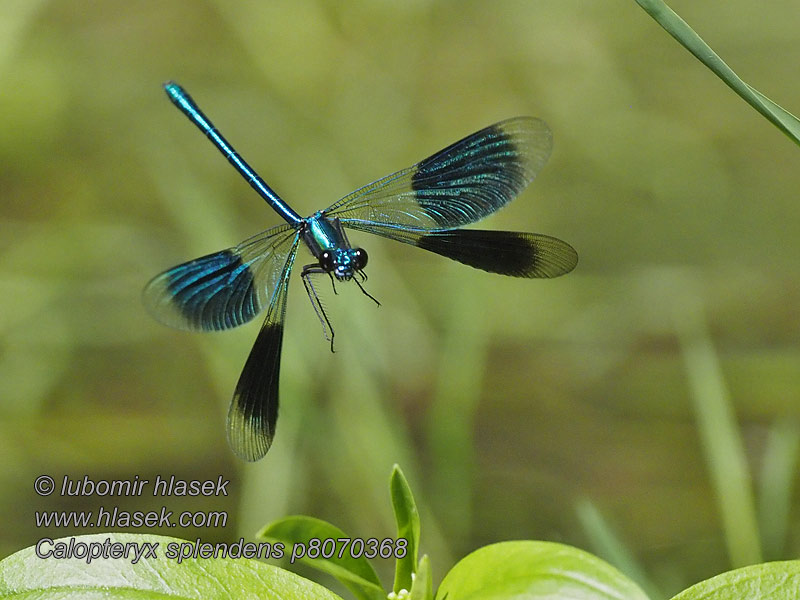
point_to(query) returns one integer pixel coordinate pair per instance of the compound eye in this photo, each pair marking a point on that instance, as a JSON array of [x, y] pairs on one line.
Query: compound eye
[[360, 259], [326, 261]]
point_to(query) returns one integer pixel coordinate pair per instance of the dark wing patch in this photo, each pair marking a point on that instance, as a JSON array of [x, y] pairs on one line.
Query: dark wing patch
[[504, 252], [473, 177], [253, 412], [220, 290], [461, 184], [514, 253]]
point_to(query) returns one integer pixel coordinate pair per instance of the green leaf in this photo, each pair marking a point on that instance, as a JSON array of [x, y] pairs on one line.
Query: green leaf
[[531, 570], [407, 517], [422, 586], [680, 30], [767, 581], [26, 575], [346, 562]]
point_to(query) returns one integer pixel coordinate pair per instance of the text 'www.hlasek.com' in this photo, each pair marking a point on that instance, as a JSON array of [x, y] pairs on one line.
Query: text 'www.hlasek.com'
[[111, 517]]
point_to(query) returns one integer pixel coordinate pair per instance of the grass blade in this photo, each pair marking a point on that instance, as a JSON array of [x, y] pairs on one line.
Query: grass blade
[[776, 486], [680, 30], [720, 436], [607, 545]]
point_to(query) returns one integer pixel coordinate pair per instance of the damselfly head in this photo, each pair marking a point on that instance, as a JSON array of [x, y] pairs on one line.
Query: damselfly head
[[343, 263]]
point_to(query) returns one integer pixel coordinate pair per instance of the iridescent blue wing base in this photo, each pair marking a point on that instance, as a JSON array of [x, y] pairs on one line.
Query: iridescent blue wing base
[[254, 409], [224, 289], [513, 253], [461, 184]]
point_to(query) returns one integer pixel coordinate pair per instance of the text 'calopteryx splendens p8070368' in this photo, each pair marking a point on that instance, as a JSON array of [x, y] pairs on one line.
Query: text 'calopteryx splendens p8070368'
[[422, 205]]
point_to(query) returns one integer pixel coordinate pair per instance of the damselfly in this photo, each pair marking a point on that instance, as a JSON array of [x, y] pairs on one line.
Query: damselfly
[[423, 205]]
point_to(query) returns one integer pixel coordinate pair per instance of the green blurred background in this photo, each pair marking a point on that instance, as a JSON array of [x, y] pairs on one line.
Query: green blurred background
[[568, 410]]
